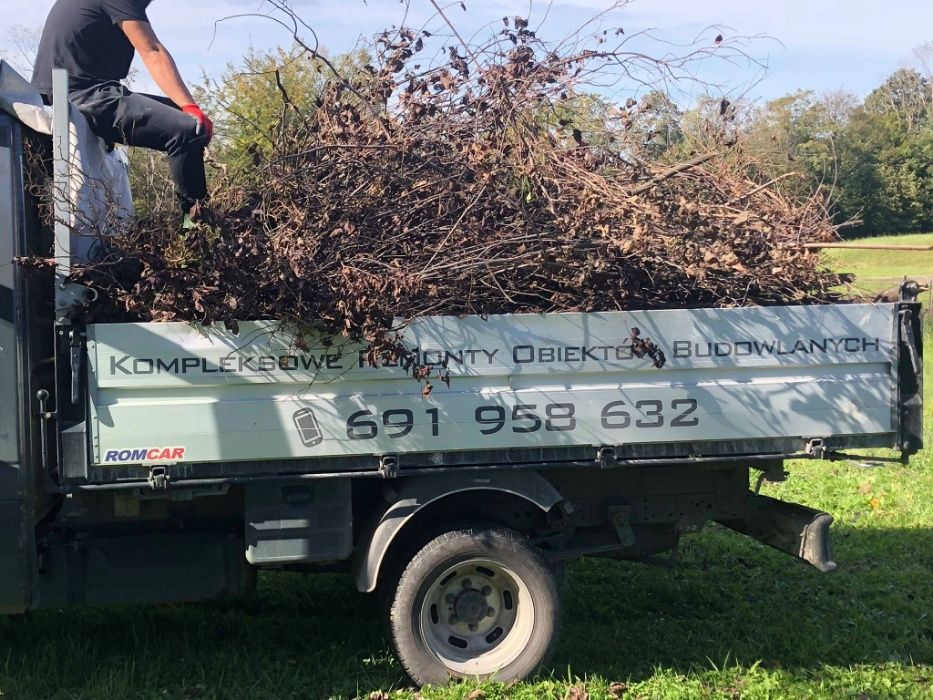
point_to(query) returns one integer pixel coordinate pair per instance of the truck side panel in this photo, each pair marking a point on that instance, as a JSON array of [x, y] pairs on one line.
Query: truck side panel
[[175, 393]]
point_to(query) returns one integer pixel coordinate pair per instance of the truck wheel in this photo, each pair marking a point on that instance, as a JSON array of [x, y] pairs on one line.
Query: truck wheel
[[474, 602]]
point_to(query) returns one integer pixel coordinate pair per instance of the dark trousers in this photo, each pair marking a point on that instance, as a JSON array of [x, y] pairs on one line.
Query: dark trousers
[[116, 114]]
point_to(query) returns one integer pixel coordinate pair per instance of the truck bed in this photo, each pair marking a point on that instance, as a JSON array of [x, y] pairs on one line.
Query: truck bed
[[522, 388]]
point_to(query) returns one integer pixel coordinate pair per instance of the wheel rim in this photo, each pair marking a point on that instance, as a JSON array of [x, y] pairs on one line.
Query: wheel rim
[[477, 617]]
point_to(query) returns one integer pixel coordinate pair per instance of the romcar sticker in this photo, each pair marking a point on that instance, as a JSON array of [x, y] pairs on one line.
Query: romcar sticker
[[145, 454]]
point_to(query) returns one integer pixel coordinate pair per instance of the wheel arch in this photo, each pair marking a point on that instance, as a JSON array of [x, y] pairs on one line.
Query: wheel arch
[[420, 499]]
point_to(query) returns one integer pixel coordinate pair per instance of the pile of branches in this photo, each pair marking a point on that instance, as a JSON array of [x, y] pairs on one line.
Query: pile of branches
[[466, 184]]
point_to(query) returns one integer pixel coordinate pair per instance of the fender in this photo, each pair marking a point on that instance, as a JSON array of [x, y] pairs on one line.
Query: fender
[[416, 493]]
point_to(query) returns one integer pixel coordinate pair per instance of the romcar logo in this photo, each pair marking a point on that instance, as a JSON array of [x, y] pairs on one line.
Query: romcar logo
[[145, 454]]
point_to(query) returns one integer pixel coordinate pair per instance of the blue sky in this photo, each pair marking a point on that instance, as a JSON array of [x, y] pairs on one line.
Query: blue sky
[[822, 46]]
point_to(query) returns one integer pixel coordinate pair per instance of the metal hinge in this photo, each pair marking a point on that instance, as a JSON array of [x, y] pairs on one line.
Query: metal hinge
[[388, 466], [816, 448], [606, 457], [70, 297], [159, 478]]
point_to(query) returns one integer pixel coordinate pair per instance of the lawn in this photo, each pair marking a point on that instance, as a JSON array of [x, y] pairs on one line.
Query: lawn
[[879, 269], [729, 619]]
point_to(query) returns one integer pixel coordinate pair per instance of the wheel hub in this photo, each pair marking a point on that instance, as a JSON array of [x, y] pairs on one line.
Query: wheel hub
[[470, 606]]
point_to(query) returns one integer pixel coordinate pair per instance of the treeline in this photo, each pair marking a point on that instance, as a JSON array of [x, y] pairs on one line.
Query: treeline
[[871, 159]]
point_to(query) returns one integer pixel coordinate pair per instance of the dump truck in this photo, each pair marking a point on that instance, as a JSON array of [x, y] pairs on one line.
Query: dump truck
[[146, 463]]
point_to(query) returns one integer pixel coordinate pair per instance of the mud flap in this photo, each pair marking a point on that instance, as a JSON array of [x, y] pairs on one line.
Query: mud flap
[[790, 527]]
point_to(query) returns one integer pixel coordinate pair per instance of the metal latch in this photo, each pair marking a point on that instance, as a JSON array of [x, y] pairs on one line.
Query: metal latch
[[158, 478], [388, 466], [606, 457], [75, 345], [907, 336], [816, 448], [44, 416]]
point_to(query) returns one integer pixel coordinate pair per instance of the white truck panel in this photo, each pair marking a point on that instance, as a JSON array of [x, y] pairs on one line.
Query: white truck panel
[[515, 381]]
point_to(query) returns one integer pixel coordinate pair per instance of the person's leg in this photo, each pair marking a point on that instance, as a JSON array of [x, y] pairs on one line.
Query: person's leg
[[155, 122], [99, 105]]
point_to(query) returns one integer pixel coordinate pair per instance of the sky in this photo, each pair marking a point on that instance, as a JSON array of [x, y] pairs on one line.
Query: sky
[[822, 45]]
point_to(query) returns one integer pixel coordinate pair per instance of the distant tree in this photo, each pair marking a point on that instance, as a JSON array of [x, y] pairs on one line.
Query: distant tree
[[588, 117], [872, 159], [714, 124], [861, 155], [656, 125], [885, 158], [905, 94], [255, 100], [923, 56], [19, 48], [800, 133]]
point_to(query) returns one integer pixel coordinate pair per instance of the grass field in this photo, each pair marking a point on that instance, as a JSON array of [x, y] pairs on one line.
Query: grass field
[[732, 619], [879, 269]]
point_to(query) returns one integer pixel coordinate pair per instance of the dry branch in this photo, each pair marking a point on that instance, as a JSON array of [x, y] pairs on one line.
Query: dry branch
[[865, 246], [465, 187], [674, 170]]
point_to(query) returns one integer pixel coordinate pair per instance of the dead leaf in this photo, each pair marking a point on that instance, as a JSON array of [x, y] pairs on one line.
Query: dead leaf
[[577, 692], [447, 199]]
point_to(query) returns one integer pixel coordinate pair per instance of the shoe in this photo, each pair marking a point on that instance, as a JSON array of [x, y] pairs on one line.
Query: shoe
[[199, 213], [193, 216]]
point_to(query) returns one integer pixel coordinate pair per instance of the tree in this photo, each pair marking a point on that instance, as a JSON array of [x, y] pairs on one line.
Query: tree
[[20, 46], [884, 160], [656, 125], [871, 158], [923, 55], [253, 102], [714, 124], [906, 94]]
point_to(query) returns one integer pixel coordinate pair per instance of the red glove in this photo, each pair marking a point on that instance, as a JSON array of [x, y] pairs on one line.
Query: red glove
[[204, 123]]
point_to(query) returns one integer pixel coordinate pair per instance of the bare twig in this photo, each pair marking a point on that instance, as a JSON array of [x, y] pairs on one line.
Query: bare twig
[[670, 172]]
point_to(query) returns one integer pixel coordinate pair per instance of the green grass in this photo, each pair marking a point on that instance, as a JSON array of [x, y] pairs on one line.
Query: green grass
[[879, 269], [731, 619]]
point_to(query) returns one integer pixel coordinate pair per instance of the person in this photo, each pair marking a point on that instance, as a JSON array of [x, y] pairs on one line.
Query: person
[[95, 41]]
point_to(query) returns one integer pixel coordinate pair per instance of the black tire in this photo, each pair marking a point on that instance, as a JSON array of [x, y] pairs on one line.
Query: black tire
[[484, 565]]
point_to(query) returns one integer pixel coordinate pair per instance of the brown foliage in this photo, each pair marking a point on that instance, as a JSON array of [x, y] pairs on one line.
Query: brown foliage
[[458, 189]]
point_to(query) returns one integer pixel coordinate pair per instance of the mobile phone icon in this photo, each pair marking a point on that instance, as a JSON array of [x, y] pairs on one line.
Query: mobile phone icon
[[308, 428]]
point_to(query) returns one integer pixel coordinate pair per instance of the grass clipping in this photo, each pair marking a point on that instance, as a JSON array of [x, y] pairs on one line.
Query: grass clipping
[[465, 187]]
